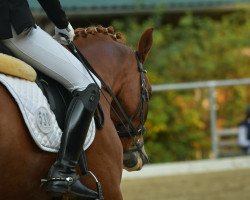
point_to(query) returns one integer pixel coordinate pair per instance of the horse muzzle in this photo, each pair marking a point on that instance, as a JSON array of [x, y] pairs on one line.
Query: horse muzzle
[[134, 160]]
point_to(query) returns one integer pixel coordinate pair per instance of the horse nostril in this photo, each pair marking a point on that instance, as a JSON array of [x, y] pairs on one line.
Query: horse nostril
[[130, 160]]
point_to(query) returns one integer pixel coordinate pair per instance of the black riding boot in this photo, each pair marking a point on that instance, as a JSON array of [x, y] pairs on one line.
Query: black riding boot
[[62, 177]]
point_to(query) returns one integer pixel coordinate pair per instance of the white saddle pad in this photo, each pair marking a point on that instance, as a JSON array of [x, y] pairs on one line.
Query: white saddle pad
[[37, 114]]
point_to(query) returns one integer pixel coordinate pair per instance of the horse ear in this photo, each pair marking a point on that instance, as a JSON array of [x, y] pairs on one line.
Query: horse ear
[[145, 44]]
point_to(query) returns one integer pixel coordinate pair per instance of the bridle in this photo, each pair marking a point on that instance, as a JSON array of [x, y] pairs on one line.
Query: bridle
[[126, 128]]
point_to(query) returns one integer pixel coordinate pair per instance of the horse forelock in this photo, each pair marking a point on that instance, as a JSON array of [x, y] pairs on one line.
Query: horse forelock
[[93, 30]]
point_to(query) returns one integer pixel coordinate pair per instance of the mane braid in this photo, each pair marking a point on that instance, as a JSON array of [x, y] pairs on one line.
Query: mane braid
[[84, 32]]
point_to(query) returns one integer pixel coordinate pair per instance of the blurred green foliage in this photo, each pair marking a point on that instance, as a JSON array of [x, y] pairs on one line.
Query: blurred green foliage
[[196, 49]]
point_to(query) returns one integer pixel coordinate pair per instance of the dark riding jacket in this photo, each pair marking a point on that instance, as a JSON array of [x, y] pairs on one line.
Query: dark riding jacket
[[17, 13]]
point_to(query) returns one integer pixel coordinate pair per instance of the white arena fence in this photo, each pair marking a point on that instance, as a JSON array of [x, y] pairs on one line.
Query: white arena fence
[[190, 167]]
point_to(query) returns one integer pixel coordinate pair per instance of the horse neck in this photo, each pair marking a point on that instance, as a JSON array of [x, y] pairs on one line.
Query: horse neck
[[116, 64], [109, 59]]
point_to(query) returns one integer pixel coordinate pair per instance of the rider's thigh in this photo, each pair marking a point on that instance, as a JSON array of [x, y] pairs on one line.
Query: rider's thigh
[[41, 51]]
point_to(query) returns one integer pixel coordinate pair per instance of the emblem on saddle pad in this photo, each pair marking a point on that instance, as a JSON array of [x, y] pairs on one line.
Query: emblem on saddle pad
[[43, 120]]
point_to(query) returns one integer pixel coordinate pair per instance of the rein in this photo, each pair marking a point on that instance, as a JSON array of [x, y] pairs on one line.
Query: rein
[[126, 129]]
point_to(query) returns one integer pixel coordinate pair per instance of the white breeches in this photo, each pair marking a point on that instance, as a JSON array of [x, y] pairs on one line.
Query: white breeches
[[41, 51]]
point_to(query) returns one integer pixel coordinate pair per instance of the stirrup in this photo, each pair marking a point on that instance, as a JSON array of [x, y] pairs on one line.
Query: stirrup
[[71, 180], [98, 185]]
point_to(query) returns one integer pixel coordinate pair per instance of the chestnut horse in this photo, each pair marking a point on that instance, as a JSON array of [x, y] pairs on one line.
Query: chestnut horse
[[23, 164]]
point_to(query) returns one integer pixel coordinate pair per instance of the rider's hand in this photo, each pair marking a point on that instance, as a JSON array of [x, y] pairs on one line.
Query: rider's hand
[[61, 33]]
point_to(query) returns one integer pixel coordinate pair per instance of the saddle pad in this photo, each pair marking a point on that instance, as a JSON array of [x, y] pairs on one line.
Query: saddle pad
[[37, 114]]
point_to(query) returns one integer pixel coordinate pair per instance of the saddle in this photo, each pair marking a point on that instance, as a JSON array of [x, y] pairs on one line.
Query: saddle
[[57, 96]]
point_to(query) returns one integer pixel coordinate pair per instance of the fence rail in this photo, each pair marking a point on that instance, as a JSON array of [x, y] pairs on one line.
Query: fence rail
[[190, 167], [211, 85], [200, 84]]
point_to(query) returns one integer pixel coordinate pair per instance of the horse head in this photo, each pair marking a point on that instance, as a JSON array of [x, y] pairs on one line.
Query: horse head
[[124, 82], [134, 96]]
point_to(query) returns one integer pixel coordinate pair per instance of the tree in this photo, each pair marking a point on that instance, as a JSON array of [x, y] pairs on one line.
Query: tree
[[198, 49]]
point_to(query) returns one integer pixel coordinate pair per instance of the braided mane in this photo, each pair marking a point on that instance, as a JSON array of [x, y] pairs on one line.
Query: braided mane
[[84, 32]]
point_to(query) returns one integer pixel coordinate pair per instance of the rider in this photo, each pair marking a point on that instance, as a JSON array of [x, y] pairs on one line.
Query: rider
[[30, 43]]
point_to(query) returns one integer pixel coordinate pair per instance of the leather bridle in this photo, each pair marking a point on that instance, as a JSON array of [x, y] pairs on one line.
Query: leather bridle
[[127, 129]]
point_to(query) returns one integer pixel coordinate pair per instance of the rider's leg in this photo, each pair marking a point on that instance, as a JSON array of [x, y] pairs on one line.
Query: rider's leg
[[42, 52], [78, 118], [37, 48]]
